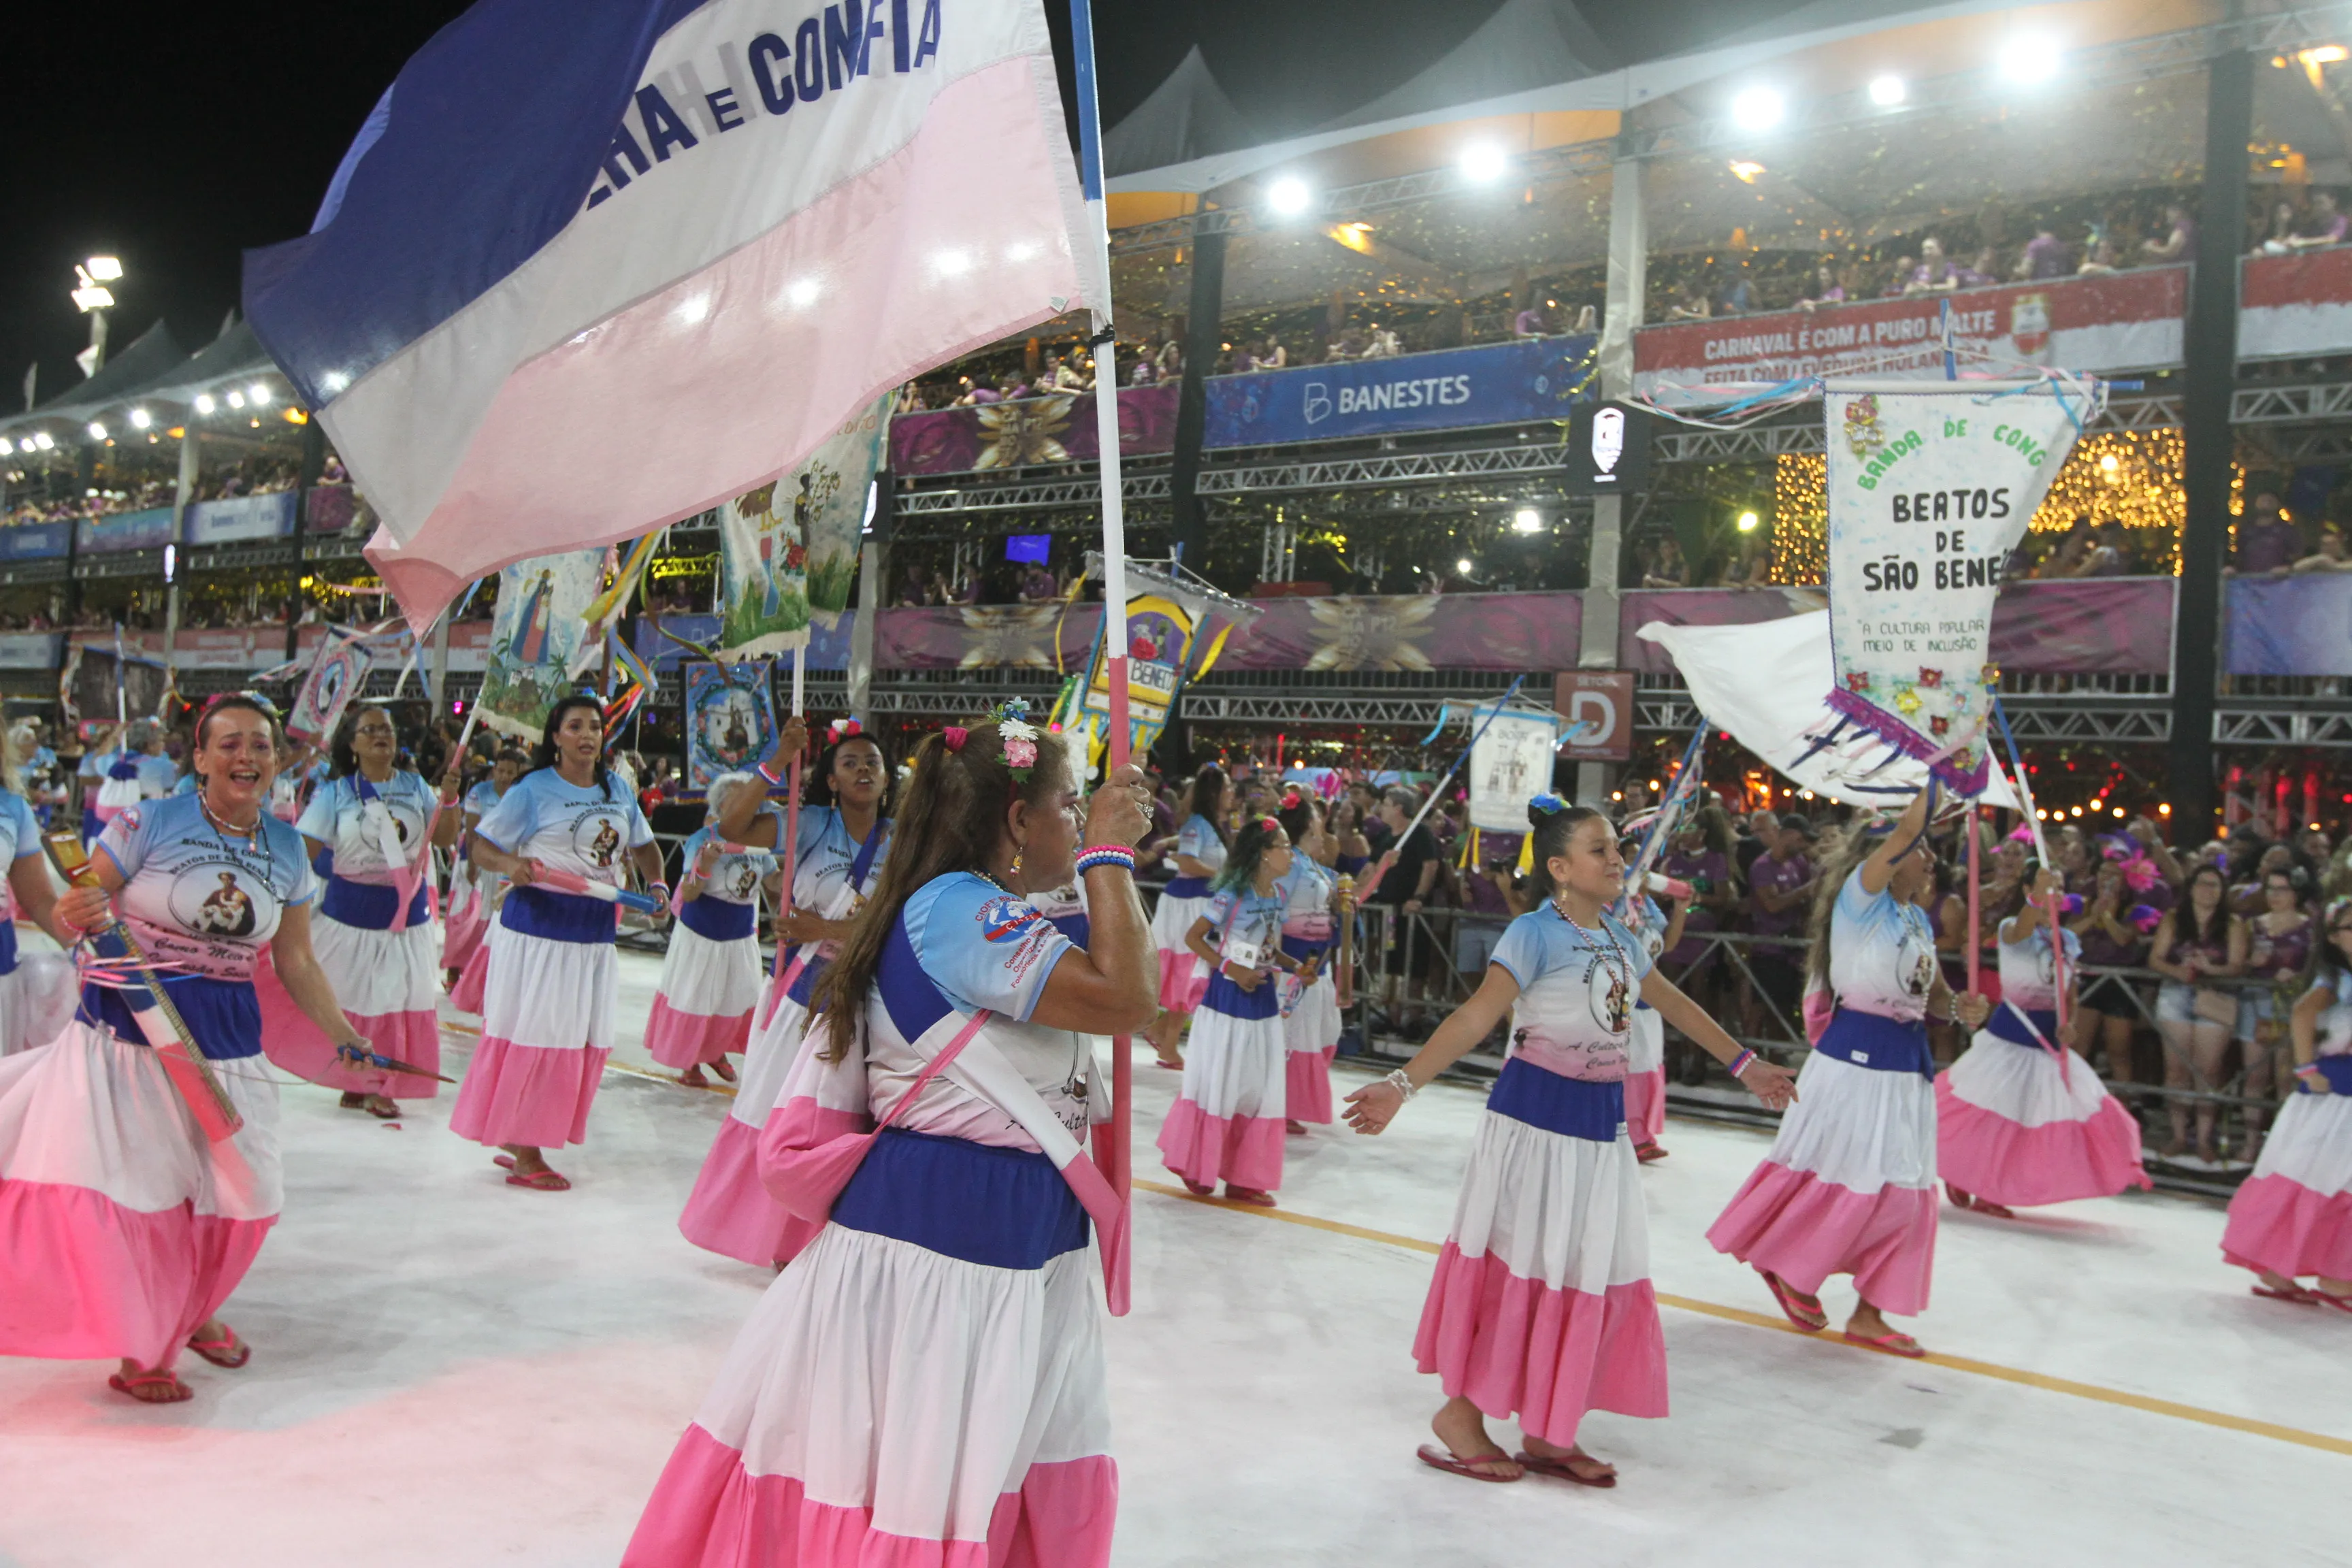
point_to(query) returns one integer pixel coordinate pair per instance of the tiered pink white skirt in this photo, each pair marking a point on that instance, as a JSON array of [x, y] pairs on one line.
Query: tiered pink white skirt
[[2293, 1214], [1645, 1077], [1541, 1305], [1849, 1187], [2015, 1128], [547, 1027], [702, 1006], [1310, 1035], [122, 1229], [37, 999], [728, 1212], [465, 923], [473, 981], [387, 983], [1181, 978], [1227, 1119]]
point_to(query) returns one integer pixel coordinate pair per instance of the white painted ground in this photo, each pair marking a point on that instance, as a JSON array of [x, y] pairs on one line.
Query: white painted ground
[[451, 1371]]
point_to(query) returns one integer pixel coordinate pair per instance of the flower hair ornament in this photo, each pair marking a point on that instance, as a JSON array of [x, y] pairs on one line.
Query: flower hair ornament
[[1019, 735], [1269, 824], [1548, 803], [955, 735], [841, 729], [1292, 800]]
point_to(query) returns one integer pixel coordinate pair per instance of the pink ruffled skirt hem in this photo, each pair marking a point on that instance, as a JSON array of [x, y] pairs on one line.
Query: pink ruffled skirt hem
[[731, 1214], [682, 1040], [1306, 1085], [534, 1097], [467, 994], [1804, 1229], [2278, 1223], [1645, 1105], [1243, 1150], [1984, 1154]]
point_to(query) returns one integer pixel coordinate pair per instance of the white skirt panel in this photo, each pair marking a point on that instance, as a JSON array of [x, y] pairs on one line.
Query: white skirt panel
[[555, 995], [90, 1111], [1314, 1023], [1860, 1129], [376, 974], [2311, 1143], [1563, 1211], [37, 1000], [1172, 922], [1647, 1052], [767, 1062], [1235, 1066], [2024, 1083], [711, 979]]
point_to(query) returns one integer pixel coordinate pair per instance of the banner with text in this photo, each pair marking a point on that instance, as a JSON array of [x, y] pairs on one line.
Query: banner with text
[[1928, 492], [150, 530], [2122, 322], [1510, 764], [1451, 389], [242, 518], [788, 550], [2295, 304]]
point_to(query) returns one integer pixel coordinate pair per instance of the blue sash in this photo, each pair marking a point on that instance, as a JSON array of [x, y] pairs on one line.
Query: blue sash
[[369, 906], [2005, 1024], [716, 920], [1000, 1208], [1186, 888], [1570, 1107], [558, 917], [805, 988], [1880, 1044], [2336, 1070]]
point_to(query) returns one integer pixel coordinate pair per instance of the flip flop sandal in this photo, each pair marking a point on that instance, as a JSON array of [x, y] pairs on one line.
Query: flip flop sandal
[[1893, 1343], [725, 1073], [1649, 1152], [539, 1181], [1252, 1195], [390, 1115], [1559, 1470], [231, 1352], [1176, 1066], [1196, 1189], [1991, 1210], [2294, 1294], [692, 1079], [503, 1162], [2330, 1299], [1795, 1304], [1454, 1465], [136, 1387]]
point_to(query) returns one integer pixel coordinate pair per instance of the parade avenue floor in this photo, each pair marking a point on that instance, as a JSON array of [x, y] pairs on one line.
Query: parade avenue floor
[[452, 1372]]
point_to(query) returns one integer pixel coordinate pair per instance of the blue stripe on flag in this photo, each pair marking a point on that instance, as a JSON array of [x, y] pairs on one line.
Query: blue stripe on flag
[[488, 141]]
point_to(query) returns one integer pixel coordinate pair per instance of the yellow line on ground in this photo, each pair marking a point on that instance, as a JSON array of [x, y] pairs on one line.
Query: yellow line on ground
[[1993, 1370], [646, 1073]]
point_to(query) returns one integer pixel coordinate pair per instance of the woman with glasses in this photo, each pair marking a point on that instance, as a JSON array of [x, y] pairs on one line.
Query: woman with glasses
[[2292, 1219], [2196, 941]]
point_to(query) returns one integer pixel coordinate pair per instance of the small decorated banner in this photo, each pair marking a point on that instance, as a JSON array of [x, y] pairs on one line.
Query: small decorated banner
[[730, 720], [536, 638], [1929, 491], [334, 679], [788, 550], [1511, 763]]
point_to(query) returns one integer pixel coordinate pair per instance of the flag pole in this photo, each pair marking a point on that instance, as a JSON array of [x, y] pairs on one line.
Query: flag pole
[[1114, 550]]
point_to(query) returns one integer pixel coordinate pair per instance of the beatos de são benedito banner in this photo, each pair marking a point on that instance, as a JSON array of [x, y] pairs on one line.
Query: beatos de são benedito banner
[[1928, 493]]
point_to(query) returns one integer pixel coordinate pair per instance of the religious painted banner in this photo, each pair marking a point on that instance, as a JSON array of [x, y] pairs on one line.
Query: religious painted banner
[[1510, 764], [536, 638], [1174, 628], [788, 550], [336, 675], [730, 720], [1928, 493]]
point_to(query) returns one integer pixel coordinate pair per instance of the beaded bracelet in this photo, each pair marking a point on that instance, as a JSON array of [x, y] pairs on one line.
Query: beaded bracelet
[[772, 778], [1739, 1063], [1401, 1083], [2310, 1069], [1105, 855]]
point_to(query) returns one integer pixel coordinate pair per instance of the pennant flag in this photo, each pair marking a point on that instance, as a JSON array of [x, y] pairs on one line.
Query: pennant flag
[[788, 549], [604, 611], [536, 638], [334, 679], [628, 667], [1928, 492], [589, 270]]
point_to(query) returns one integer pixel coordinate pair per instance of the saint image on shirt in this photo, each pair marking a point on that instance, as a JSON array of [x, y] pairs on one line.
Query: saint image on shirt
[[606, 845], [228, 911]]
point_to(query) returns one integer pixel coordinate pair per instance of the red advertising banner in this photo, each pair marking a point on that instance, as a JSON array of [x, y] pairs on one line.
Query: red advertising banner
[[1602, 703], [2125, 321], [2295, 304]]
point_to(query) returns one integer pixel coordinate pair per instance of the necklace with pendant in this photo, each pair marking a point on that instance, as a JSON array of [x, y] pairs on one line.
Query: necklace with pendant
[[248, 833], [1612, 958]]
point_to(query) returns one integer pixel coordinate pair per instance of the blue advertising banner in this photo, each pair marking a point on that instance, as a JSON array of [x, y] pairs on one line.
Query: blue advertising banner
[[28, 650], [242, 518], [828, 646], [148, 530], [1495, 384], [2289, 625], [36, 541]]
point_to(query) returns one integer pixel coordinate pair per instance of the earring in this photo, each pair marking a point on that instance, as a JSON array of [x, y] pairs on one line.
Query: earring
[[1016, 860]]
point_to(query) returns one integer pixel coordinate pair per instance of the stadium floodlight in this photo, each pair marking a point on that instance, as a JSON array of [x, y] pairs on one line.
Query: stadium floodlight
[[204, 404], [141, 419], [1527, 519], [1288, 196], [2029, 61], [237, 400], [1886, 91], [1463, 567], [1748, 523], [44, 440], [105, 268], [96, 431], [1483, 162], [257, 394], [1759, 109]]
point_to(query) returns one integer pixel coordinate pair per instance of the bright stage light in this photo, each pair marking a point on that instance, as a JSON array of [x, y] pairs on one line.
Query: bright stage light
[[1748, 523], [1288, 196], [1484, 161], [237, 400], [1527, 519], [141, 419], [96, 431], [204, 404], [1463, 567], [2029, 61], [1886, 91], [105, 268], [257, 394], [1757, 109]]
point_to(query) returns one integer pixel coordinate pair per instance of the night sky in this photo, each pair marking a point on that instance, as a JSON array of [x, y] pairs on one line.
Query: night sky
[[175, 137]]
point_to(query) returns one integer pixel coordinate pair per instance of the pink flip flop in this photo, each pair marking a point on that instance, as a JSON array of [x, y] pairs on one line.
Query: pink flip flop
[[1252, 1195], [539, 1182], [1793, 1303], [2330, 1299], [1893, 1343], [230, 1353], [2294, 1295], [1454, 1465], [1559, 1469]]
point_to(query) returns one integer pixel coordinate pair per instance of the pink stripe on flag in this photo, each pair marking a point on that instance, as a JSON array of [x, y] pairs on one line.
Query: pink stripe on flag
[[722, 380]]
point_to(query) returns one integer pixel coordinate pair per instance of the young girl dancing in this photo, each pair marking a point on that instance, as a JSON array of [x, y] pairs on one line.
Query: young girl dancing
[[1850, 1184], [1227, 1120], [2292, 1219], [710, 979], [1201, 845], [2019, 1118], [1310, 1019], [1541, 1305], [926, 1383]]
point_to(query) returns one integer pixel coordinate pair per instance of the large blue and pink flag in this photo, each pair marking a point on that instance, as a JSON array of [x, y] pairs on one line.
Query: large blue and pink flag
[[591, 268]]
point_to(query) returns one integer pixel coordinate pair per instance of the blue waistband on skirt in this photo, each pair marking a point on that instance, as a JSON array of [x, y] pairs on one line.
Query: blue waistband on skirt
[[7, 947], [2336, 1070], [804, 990], [1306, 947], [1075, 927], [716, 920], [558, 917], [1186, 888], [2005, 1024], [369, 906], [1876, 1042], [224, 1015], [1572, 1107], [1001, 1208], [1223, 996]]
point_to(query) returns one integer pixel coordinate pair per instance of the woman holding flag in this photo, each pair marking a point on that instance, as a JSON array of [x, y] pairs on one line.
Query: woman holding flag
[[926, 1382], [710, 975], [1850, 1184], [368, 827], [844, 838], [547, 1005], [128, 1224]]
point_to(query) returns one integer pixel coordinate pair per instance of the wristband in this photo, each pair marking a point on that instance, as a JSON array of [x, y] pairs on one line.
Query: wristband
[[772, 778], [660, 888], [1098, 855], [2309, 1070], [1401, 1083], [1740, 1063]]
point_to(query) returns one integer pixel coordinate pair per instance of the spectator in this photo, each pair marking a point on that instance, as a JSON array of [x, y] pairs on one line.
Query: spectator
[[2199, 941], [1530, 323], [1751, 566], [1763, 832], [1984, 269], [2323, 226], [2073, 557], [1935, 274], [1170, 360], [2107, 1012], [2267, 546], [2102, 260], [1144, 371], [1380, 345], [1274, 356], [2331, 556], [1779, 896], [2282, 940], [1405, 890], [1694, 307], [1665, 567], [1069, 375], [2180, 241], [2111, 555], [1899, 282], [2278, 241], [1827, 289], [2047, 256], [1039, 586]]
